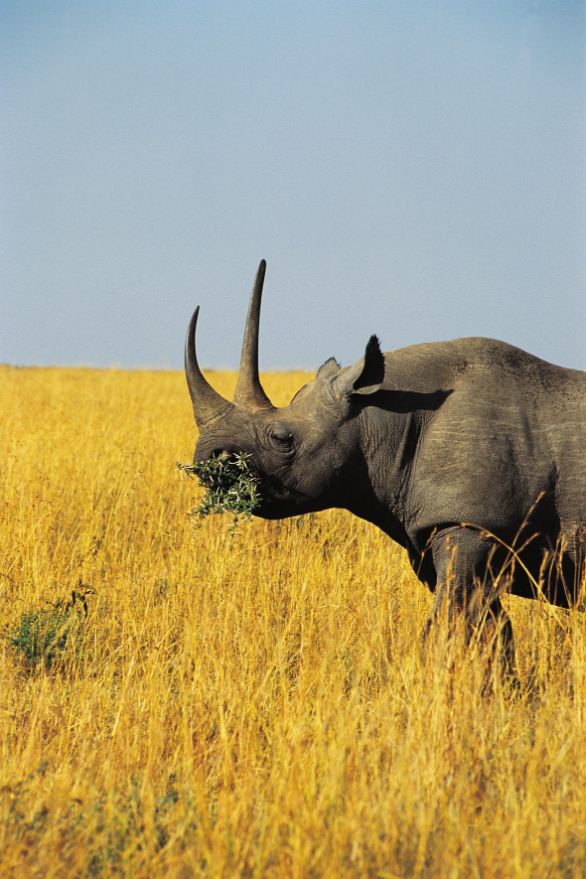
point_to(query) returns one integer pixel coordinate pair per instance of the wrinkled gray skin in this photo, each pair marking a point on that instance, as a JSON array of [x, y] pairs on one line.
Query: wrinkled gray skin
[[456, 450]]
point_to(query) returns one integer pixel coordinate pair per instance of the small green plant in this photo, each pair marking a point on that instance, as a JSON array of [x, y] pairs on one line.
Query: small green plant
[[231, 486], [42, 635]]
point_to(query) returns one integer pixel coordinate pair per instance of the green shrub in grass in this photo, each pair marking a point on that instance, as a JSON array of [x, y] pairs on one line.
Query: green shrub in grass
[[42, 636]]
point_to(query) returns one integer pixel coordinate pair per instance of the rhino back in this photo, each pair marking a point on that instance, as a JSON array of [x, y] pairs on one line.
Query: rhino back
[[511, 427]]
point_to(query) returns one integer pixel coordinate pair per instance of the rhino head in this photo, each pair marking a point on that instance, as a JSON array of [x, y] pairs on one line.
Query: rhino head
[[307, 455]]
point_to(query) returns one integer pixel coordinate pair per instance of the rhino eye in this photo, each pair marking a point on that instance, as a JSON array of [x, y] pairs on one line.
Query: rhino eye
[[282, 440]]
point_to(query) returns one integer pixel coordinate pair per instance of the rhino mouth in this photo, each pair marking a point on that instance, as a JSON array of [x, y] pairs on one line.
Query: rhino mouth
[[270, 486], [272, 489], [273, 498], [277, 501]]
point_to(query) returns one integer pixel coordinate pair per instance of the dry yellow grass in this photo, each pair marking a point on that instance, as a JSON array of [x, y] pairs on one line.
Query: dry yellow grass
[[255, 705]]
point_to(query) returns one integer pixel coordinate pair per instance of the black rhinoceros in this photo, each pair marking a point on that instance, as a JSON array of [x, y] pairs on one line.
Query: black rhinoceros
[[469, 453]]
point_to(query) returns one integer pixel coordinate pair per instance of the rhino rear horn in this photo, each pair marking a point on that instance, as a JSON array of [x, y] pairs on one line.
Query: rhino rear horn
[[249, 392]]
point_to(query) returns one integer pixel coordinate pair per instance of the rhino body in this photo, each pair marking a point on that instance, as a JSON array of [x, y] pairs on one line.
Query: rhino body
[[468, 453]]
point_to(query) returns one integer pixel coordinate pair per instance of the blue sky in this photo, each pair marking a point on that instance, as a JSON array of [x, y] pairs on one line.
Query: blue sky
[[414, 169]]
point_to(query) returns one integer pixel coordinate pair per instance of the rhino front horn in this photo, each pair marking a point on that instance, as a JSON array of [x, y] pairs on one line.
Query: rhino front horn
[[207, 403], [249, 392]]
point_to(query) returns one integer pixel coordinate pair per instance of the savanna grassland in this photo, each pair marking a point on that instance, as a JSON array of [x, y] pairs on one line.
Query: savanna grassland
[[252, 704]]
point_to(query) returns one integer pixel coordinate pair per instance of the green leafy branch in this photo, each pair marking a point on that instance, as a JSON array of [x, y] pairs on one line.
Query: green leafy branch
[[231, 486]]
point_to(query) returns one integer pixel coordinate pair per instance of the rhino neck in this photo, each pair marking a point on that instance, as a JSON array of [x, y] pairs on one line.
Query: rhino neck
[[380, 476]]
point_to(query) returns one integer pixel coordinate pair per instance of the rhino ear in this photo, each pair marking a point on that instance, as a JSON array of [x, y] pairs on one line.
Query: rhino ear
[[366, 377], [329, 369]]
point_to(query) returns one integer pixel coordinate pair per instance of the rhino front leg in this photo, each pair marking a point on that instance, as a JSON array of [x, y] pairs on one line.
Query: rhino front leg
[[469, 582]]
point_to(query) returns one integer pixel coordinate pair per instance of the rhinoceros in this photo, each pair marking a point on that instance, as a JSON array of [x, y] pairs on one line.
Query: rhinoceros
[[469, 453]]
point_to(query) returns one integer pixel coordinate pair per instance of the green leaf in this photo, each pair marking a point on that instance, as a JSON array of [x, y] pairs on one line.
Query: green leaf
[[231, 486]]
